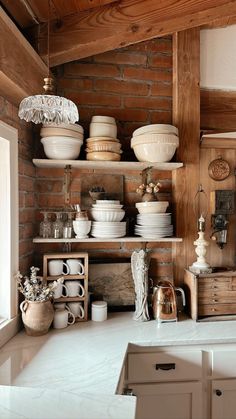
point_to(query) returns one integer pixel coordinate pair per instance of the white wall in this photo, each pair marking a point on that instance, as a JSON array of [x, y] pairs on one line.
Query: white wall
[[218, 58]]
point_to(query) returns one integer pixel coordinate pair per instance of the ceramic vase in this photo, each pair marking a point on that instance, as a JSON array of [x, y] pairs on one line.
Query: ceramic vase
[[37, 316]]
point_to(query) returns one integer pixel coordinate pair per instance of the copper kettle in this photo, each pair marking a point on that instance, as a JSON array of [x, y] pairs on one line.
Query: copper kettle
[[164, 302]]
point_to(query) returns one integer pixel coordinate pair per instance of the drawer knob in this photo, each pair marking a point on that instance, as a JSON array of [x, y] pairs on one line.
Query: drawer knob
[[165, 367], [214, 301], [218, 392], [213, 309]]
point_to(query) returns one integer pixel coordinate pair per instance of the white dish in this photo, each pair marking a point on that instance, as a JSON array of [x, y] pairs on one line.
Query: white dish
[[58, 148], [106, 206], [155, 138], [107, 215], [104, 119], [152, 207], [73, 127], [50, 132], [154, 152], [108, 224], [106, 201], [101, 129], [93, 140], [156, 128], [105, 236]]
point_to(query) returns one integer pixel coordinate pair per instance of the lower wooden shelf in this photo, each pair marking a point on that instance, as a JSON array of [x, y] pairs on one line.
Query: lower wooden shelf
[[68, 299], [107, 240]]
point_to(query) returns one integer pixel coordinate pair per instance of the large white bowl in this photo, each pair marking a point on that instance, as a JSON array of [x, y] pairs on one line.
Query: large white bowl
[[107, 214], [156, 128], [152, 207], [101, 129], [60, 149], [155, 138], [72, 127], [101, 118], [154, 152]]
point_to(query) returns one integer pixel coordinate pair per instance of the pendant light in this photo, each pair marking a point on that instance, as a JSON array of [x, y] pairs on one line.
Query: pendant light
[[48, 108]]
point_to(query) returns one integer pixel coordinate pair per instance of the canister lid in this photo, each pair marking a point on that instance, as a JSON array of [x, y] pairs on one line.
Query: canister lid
[[99, 304]]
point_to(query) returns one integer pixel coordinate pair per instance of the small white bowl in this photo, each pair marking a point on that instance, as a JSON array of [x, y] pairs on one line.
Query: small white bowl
[[154, 152], [107, 215], [101, 129], [60, 149], [101, 118], [81, 228], [152, 207]]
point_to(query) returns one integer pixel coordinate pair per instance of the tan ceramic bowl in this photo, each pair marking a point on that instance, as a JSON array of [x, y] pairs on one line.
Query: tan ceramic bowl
[[104, 146], [92, 140], [52, 132], [103, 155], [152, 207], [156, 129], [106, 119], [101, 129]]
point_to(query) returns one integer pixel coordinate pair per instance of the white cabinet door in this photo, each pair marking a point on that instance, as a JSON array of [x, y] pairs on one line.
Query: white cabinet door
[[223, 399], [168, 401]]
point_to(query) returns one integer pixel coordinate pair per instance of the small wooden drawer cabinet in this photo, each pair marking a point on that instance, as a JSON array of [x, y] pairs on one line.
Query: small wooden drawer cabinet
[[210, 294], [83, 278]]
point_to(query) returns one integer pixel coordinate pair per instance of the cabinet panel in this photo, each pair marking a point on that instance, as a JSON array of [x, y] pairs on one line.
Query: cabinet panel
[[223, 399], [153, 367], [224, 364], [168, 401]]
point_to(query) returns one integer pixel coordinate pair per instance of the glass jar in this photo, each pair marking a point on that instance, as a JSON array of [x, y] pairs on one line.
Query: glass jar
[[57, 227]]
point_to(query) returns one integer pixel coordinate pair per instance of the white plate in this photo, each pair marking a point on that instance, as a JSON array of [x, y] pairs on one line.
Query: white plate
[[106, 201], [107, 236], [108, 223], [154, 236]]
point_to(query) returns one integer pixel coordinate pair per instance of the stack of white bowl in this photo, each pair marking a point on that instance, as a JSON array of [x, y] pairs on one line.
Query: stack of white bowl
[[62, 141], [152, 221], [107, 216], [155, 142], [103, 144]]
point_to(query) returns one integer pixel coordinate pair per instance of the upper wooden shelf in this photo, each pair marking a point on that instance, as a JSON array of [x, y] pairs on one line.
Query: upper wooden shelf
[[103, 165], [107, 240]]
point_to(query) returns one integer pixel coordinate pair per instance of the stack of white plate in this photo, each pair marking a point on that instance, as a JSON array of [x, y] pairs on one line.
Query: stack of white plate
[[154, 226], [107, 216]]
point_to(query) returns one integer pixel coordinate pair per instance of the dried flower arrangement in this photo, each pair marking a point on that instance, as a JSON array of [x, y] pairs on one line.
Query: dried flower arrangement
[[34, 288], [148, 189]]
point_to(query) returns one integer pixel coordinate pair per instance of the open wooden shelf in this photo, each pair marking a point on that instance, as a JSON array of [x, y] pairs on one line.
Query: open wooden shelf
[[101, 240], [103, 165]]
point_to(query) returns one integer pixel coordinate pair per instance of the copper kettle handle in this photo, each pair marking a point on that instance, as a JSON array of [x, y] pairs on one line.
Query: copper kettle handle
[[182, 293]]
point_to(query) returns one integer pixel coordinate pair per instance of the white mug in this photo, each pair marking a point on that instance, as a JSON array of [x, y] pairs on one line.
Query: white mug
[[55, 267], [74, 289], [58, 292], [77, 309], [60, 306], [61, 319], [75, 266]]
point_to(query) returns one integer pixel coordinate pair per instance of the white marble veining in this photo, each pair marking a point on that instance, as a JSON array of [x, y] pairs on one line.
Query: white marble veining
[[85, 360]]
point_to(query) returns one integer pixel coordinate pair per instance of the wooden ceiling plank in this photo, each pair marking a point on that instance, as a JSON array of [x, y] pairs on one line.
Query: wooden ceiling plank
[[128, 22], [21, 69], [19, 13]]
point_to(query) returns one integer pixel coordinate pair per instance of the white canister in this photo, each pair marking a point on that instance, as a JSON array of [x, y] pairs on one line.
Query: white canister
[[99, 311]]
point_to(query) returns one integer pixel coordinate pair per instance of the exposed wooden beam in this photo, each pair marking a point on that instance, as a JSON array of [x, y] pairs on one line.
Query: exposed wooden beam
[[218, 110], [220, 23], [130, 21], [21, 69], [186, 116]]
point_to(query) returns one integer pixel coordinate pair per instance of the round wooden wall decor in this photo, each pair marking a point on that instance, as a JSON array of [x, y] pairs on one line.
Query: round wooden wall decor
[[219, 169]]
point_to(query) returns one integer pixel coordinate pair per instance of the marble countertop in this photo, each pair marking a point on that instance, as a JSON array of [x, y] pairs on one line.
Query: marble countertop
[[84, 361]]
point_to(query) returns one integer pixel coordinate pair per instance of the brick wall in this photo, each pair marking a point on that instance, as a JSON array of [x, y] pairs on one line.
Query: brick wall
[[134, 85], [8, 114]]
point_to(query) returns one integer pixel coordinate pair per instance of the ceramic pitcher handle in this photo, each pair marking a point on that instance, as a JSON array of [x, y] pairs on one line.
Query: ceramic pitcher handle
[[81, 315], [24, 306], [81, 294], [81, 272], [67, 269]]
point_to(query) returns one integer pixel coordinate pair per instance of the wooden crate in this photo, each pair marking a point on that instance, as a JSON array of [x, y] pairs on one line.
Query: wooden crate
[[82, 278]]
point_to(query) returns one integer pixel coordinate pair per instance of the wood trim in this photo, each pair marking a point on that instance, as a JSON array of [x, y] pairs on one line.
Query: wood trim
[[220, 23], [224, 140], [218, 110], [128, 22], [21, 69], [186, 116]]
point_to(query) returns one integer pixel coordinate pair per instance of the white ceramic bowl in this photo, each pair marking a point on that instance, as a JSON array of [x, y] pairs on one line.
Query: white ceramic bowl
[[107, 214], [101, 118], [152, 207], [154, 152], [58, 148], [49, 132], [81, 228], [93, 140], [73, 127], [104, 146], [107, 201], [101, 129], [156, 128], [155, 138]]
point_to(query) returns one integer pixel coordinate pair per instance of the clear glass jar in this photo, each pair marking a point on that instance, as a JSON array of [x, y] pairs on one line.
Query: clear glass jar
[[57, 227], [68, 226], [45, 227]]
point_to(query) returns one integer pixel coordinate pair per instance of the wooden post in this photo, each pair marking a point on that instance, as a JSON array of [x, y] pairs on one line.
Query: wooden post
[[186, 116]]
